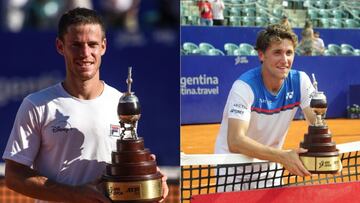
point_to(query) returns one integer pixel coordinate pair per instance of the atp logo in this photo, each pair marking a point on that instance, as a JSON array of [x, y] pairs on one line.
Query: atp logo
[[289, 95]]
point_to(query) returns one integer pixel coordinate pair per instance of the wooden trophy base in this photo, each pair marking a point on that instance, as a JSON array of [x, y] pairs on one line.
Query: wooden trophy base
[[132, 175], [322, 156]]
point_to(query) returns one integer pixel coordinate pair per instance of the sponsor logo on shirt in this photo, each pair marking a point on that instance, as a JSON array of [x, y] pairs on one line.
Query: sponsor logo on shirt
[[241, 106], [289, 95], [114, 130], [61, 126], [238, 109], [264, 101]]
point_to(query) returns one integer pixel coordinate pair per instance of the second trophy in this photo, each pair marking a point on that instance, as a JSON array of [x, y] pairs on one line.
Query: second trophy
[[322, 155]]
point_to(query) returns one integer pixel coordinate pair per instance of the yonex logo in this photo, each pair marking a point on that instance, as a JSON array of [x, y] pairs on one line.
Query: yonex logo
[[289, 95]]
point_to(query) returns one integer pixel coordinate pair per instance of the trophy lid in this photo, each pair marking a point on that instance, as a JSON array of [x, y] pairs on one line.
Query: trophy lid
[[128, 102], [318, 103], [128, 98], [318, 99], [319, 96]]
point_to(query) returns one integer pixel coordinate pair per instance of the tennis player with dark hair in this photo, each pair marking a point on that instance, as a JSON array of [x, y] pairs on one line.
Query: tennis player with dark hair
[[62, 137], [263, 101]]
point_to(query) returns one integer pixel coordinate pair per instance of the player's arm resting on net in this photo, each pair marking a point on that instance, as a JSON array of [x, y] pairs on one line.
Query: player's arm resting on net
[[240, 100], [239, 143], [23, 179]]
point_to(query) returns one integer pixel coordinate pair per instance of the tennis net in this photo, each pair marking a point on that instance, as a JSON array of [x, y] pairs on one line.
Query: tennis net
[[212, 173]]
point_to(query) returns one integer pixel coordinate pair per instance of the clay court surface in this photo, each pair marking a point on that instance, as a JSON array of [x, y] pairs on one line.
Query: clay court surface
[[200, 139]]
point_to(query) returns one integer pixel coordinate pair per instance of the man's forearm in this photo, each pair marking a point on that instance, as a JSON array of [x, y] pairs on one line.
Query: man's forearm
[[45, 189], [30, 183], [249, 147], [238, 142]]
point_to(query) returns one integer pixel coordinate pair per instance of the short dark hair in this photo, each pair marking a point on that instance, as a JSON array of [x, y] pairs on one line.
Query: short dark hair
[[79, 16], [274, 32]]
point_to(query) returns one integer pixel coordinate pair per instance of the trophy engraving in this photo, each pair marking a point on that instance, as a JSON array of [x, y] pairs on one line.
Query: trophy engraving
[[132, 175], [322, 155]]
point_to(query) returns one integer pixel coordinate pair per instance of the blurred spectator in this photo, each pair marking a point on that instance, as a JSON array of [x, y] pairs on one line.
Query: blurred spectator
[[206, 16], [218, 12], [44, 14], [306, 44], [71, 4], [14, 14], [38, 14], [308, 25], [319, 43], [285, 21], [17, 15], [122, 13]]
